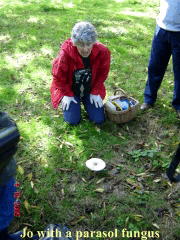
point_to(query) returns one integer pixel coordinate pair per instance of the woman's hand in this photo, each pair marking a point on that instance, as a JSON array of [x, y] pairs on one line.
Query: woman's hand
[[66, 102], [97, 100]]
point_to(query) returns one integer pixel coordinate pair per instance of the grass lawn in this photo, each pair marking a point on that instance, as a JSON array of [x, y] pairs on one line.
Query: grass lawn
[[55, 185]]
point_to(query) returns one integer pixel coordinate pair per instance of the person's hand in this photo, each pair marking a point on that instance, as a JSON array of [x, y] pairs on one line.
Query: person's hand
[[97, 100], [66, 102]]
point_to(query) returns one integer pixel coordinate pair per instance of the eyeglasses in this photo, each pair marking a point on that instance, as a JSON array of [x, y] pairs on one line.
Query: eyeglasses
[[83, 45]]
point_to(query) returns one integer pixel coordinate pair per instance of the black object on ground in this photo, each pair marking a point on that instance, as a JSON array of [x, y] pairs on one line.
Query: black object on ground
[[172, 168]]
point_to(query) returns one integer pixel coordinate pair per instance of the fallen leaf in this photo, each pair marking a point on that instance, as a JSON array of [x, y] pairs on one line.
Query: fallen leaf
[[174, 143], [77, 220], [141, 144], [99, 190], [39, 117], [84, 180], [177, 205], [104, 206], [30, 176], [97, 129], [63, 193], [155, 225], [117, 145], [157, 180], [120, 135], [138, 217], [134, 194], [68, 144], [32, 184], [65, 170], [169, 184], [100, 180], [27, 224], [27, 205], [130, 181], [144, 175], [20, 170], [141, 174], [126, 221], [138, 188]]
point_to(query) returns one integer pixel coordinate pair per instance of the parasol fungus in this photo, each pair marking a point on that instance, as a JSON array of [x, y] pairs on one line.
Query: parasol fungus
[[95, 164]]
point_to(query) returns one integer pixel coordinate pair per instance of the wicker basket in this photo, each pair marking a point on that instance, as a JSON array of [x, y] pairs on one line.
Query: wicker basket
[[123, 116]]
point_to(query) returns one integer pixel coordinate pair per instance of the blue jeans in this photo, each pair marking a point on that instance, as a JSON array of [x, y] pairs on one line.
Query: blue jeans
[[165, 44], [73, 114], [7, 203]]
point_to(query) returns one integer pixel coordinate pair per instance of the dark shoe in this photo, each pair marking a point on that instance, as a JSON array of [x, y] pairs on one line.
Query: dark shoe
[[145, 106], [172, 168], [178, 113]]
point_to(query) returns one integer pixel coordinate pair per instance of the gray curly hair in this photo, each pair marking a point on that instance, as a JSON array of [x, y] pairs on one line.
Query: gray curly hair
[[83, 32]]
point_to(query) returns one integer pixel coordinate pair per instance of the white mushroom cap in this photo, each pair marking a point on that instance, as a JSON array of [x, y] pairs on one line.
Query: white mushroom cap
[[95, 164]]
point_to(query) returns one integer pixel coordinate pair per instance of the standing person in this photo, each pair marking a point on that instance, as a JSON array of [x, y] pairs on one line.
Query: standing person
[[166, 42], [79, 73]]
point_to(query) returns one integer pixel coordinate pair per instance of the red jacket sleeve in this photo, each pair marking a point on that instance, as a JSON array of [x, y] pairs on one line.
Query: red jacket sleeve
[[102, 73], [60, 85]]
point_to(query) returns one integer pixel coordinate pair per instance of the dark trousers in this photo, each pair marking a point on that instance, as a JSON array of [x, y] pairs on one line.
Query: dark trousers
[[7, 204], [73, 114], [6, 207], [4, 234], [165, 44]]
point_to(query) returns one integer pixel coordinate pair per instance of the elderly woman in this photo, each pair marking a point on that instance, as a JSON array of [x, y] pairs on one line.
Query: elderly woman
[[79, 73]]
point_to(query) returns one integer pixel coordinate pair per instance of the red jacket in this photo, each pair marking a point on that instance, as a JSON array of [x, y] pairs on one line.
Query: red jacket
[[68, 61]]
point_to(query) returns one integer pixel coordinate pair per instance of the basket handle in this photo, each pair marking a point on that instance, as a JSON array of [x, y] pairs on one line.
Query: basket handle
[[125, 95], [121, 91]]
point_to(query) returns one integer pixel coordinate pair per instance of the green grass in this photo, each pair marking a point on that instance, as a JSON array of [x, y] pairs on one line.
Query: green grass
[[62, 188]]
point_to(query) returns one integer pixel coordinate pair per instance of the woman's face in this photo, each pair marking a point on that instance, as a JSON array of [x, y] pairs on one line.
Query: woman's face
[[84, 49]]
